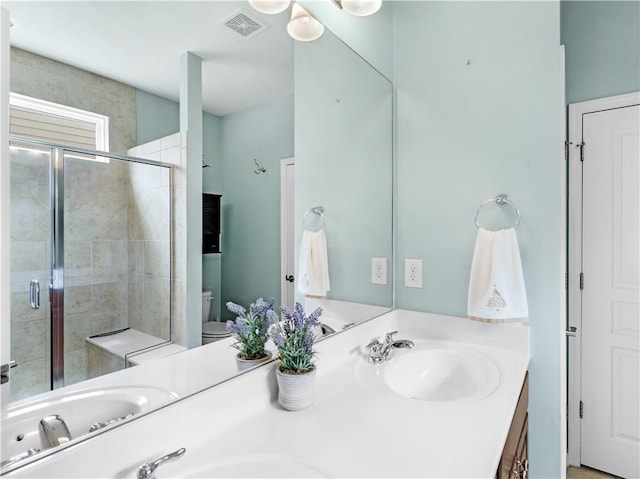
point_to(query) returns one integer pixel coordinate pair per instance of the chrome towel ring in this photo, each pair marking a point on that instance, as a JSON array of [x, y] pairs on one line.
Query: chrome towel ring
[[501, 200], [317, 211]]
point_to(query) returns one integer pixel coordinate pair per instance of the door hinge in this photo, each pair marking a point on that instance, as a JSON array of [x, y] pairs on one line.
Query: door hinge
[[581, 145], [581, 409], [581, 281], [566, 150], [566, 281]]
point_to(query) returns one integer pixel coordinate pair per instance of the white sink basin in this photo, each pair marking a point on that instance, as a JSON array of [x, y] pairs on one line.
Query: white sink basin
[[254, 465], [434, 372], [79, 409]]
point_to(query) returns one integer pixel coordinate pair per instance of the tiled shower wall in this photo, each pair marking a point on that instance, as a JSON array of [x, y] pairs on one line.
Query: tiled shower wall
[[149, 249], [171, 150], [40, 77]]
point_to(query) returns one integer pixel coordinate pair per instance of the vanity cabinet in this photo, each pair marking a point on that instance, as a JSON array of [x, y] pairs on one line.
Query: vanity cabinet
[[514, 463]]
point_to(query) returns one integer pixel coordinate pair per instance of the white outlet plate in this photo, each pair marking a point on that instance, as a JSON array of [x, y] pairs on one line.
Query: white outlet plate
[[378, 270], [413, 273]]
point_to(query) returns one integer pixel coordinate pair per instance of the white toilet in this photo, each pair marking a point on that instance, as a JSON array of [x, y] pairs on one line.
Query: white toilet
[[211, 330]]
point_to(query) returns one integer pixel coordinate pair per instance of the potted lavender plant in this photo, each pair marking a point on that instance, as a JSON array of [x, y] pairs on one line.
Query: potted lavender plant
[[294, 337], [250, 330]]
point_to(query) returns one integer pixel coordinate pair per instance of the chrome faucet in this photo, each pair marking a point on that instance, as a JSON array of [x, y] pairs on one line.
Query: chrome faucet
[[53, 431], [379, 352], [148, 469]]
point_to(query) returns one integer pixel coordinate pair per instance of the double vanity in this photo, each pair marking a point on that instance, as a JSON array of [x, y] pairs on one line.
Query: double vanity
[[441, 408]]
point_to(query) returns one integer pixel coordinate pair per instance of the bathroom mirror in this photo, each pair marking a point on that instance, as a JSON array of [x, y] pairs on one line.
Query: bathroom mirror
[[343, 161]]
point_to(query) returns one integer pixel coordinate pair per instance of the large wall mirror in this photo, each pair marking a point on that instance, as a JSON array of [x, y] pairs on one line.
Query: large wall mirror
[[339, 117]]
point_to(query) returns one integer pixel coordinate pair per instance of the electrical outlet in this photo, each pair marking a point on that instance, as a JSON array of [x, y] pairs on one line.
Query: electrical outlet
[[378, 270], [413, 273]]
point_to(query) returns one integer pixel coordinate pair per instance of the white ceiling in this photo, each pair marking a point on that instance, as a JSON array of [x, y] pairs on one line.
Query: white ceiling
[[140, 43]]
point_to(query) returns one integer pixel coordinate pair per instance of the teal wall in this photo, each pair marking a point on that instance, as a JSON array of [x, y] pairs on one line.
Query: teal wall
[[212, 183], [370, 37], [602, 48], [251, 203], [466, 132], [156, 117], [344, 120]]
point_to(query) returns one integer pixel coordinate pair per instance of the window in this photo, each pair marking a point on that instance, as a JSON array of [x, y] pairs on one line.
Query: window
[[58, 124]]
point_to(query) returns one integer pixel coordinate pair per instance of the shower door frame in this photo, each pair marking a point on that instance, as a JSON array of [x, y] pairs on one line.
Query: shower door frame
[[56, 242]]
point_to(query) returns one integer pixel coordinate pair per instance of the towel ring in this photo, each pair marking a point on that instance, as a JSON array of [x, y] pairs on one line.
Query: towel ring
[[317, 211], [500, 200]]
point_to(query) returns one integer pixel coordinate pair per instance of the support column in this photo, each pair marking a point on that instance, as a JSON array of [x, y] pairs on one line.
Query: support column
[[191, 129]]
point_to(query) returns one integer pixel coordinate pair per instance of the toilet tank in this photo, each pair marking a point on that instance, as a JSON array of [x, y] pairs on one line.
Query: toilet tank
[[206, 305]]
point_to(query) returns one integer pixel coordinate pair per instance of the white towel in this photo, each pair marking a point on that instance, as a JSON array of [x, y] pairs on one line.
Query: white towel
[[496, 284], [313, 273]]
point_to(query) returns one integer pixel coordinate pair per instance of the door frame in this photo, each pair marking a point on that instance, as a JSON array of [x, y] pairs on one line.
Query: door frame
[[5, 258], [574, 231], [286, 236]]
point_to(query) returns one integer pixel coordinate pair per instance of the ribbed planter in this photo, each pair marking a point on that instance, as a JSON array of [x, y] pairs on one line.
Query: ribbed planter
[[244, 364], [296, 391]]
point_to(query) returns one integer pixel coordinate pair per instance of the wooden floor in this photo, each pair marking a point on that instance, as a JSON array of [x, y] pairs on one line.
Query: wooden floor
[[584, 472]]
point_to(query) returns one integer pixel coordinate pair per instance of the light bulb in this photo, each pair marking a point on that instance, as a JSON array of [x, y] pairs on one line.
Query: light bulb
[[270, 6], [303, 27], [361, 8]]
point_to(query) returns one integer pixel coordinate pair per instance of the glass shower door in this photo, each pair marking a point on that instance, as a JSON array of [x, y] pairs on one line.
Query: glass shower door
[[91, 264], [30, 207], [116, 240]]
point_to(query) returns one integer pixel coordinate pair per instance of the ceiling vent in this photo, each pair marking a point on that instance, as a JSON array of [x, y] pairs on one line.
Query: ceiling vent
[[245, 26]]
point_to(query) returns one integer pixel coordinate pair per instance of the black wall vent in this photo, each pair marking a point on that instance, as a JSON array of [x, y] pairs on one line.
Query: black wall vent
[[210, 223]]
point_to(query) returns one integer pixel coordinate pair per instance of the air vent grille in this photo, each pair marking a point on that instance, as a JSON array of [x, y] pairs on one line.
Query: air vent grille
[[244, 25]]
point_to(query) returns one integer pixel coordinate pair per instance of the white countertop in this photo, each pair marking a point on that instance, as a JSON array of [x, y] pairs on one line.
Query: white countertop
[[348, 432]]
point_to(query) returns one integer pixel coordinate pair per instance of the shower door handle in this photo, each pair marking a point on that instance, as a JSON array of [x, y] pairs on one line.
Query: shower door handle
[[34, 294]]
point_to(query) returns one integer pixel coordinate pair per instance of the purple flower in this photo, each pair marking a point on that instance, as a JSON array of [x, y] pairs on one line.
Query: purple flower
[[236, 309], [239, 327], [294, 336], [277, 337], [261, 307]]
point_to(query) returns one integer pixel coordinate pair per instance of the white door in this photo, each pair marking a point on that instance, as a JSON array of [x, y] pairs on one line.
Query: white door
[[610, 316], [287, 232]]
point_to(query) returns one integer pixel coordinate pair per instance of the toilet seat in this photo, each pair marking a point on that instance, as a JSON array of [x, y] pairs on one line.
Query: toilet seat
[[215, 330]]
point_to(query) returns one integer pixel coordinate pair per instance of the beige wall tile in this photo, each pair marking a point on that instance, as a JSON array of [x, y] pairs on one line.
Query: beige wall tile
[[77, 299], [75, 366], [28, 340], [29, 378]]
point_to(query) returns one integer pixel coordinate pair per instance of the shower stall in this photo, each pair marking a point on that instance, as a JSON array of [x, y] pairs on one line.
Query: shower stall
[[91, 262]]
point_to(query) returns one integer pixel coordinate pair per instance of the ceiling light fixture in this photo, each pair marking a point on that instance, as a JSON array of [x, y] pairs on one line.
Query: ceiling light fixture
[[270, 6], [359, 8], [303, 26]]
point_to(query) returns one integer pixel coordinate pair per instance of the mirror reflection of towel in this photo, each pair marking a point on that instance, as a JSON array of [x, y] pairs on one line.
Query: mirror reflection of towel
[[313, 273], [496, 283]]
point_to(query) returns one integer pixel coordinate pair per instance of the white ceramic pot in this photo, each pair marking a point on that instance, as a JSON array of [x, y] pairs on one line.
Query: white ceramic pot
[[244, 364], [296, 391]]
